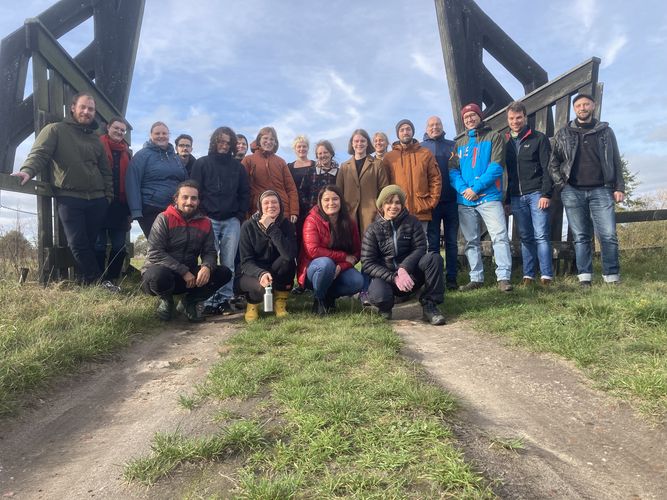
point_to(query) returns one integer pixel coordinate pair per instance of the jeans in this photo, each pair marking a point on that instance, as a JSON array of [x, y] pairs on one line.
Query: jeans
[[588, 210], [82, 220], [164, 282], [534, 231], [447, 215], [227, 234], [320, 277], [116, 237], [282, 271], [493, 215]]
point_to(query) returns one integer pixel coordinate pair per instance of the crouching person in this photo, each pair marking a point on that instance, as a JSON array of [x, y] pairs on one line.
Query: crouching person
[[393, 254], [268, 256], [179, 237], [330, 249]]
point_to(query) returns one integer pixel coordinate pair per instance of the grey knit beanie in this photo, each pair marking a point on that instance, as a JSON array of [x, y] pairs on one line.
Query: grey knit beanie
[[403, 122]]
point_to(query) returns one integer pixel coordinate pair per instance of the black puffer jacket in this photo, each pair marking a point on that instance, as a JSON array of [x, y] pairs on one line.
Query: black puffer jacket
[[566, 145], [177, 243], [390, 244], [225, 191]]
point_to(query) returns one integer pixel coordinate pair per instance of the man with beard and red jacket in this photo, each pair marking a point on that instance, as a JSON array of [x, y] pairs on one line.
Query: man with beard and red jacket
[[178, 239]]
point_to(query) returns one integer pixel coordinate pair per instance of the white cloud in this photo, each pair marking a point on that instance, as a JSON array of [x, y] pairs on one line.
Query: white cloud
[[427, 65], [585, 12]]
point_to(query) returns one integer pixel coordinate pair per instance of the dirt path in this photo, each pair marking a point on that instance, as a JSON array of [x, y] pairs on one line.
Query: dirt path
[[578, 442]]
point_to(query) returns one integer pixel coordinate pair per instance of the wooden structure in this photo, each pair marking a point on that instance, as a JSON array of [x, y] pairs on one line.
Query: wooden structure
[[103, 69]]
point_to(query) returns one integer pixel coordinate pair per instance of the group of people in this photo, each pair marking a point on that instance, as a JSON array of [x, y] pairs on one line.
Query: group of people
[[233, 224]]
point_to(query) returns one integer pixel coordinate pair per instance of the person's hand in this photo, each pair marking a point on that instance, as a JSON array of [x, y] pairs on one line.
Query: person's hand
[[543, 203], [265, 280], [190, 280], [23, 176], [619, 196], [203, 276], [351, 259], [266, 220], [470, 195], [508, 210], [403, 280], [293, 219], [337, 271]]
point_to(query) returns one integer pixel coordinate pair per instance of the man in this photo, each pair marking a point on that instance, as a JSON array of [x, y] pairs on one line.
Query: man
[[529, 192], [225, 198], [476, 173], [413, 167], [180, 236], [445, 212], [586, 165], [184, 151], [81, 178]]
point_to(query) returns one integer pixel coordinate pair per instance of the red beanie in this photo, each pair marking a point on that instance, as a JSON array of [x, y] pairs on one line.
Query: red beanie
[[471, 107]]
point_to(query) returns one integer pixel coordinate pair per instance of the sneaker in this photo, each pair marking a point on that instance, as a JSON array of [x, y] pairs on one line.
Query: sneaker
[[225, 307], [546, 281], [585, 285], [109, 287], [190, 310], [363, 298], [385, 314], [165, 308], [473, 285], [452, 285], [527, 281], [298, 290], [432, 315], [505, 286]]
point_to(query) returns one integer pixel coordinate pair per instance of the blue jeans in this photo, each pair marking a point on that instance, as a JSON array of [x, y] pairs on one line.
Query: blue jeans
[[588, 210], [226, 234], [112, 269], [447, 215], [320, 277], [534, 231], [493, 215]]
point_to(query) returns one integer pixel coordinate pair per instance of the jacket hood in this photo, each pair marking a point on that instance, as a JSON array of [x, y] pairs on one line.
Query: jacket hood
[[258, 214], [483, 128], [406, 147], [169, 150], [434, 139], [598, 125], [171, 209]]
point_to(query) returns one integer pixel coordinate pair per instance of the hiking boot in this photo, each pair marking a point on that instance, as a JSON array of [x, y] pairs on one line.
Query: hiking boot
[[165, 308], [109, 287], [280, 304], [505, 286], [527, 281], [585, 285], [432, 315], [251, 312], [190, 310], [452, 285], [473, 285], [297, 290], [546, 281], [385, 314], [363, 298]]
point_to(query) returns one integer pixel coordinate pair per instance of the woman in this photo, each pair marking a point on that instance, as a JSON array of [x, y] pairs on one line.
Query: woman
[[268, 253], [394, 255], [268, 171], [380, 144], [324, 173], [300, 168], [152, 178], [117, 223], [241, 146], [330, 249]]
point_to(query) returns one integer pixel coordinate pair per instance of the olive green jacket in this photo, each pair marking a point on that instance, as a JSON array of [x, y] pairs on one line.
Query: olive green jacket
[[76, 156]]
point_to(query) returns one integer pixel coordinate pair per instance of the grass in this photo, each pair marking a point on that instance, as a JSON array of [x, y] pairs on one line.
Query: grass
[[344, 416], [45, 332], [616, 334], [515, 444]]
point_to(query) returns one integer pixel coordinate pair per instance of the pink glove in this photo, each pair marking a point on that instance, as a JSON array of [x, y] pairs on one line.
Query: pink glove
[[403, 280]]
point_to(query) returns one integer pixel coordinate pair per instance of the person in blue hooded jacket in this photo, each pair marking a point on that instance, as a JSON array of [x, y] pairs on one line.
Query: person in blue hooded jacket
[[476, 173], [152, 178]]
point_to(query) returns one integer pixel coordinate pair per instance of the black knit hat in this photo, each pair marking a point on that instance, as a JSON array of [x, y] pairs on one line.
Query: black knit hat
[[403, 122]]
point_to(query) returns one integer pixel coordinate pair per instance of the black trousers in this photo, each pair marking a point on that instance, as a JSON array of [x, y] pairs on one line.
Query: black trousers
[[150, 213], [282, 271], [163, 282], [429, 274]]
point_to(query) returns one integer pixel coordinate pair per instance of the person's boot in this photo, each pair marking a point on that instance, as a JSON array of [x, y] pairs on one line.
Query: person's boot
[[251, 312], [432, 314], [280, 304], [188, 307], [165, 308]]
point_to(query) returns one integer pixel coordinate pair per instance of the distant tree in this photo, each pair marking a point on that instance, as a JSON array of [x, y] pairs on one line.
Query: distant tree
[[631, 184], [16, 248], [140, 245]]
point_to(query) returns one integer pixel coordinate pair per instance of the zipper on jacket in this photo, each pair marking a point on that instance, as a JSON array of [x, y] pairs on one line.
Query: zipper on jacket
[[395, 242]]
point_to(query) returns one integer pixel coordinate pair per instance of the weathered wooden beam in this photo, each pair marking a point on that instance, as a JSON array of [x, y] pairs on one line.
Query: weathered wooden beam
[[640, 216], [12, 183]]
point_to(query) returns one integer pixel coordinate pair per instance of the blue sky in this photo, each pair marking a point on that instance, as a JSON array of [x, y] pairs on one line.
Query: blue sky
[[326, 68]]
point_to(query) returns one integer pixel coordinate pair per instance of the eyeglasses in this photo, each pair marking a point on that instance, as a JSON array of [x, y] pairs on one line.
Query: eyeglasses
[[119, 130], [182, 145]]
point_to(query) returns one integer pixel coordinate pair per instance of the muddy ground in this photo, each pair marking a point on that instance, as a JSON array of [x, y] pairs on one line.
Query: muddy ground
[[575, 441]]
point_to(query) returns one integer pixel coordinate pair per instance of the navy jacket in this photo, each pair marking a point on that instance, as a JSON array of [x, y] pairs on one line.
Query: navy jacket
[[442, 149]]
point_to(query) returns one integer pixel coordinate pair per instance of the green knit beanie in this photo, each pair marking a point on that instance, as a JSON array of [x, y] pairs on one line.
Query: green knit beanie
[[388, 192]]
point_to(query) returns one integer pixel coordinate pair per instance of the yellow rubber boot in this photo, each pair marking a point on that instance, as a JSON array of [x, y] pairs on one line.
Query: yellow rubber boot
[[251, 312], [280, 304]]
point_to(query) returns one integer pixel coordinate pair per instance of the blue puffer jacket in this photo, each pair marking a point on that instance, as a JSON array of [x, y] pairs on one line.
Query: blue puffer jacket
[[479, 165], [152, 177], [442, 150]]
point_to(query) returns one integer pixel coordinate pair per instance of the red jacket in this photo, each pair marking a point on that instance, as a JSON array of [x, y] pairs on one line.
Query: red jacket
[[316, 243]]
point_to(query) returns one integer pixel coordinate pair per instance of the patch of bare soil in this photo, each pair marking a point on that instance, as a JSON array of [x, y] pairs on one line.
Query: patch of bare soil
[[578, 442], [74, 444]]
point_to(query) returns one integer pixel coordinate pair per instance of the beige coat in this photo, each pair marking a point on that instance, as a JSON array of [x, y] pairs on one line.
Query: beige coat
[[361, 191]]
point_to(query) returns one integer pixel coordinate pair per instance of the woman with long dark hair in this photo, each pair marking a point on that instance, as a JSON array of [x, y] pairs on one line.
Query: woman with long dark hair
[[330, 249]]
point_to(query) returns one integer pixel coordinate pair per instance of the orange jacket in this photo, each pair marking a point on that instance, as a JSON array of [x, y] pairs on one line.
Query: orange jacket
[[413, 167], [267, 170]]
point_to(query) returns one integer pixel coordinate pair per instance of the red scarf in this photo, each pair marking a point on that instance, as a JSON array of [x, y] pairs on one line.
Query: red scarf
[[110, 146]]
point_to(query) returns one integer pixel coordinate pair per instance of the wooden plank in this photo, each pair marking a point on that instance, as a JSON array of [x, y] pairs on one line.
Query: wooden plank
[[562, 112], [599, 93], [56, 96], [40, 91], [641, 216], [542, 120], [12, 183]]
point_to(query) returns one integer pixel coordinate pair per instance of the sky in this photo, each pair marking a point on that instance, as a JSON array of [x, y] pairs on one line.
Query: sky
[[324, 69]]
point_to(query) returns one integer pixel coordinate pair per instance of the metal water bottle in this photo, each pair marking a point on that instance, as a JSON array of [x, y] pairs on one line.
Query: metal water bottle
[[268, 299]]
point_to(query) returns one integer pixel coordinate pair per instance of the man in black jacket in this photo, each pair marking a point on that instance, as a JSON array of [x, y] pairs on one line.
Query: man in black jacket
[[529, 192], [586, 165], [180, 236], [183, 145], [225, 196]]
